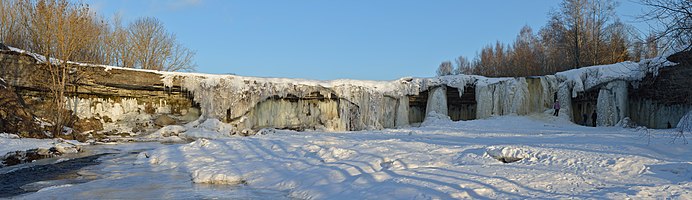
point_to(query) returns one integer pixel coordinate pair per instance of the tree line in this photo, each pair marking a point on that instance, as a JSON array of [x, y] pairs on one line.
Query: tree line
[[580, 33], [70, 31]]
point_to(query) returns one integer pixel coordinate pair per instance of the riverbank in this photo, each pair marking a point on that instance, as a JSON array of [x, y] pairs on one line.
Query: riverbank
[[15, 150]]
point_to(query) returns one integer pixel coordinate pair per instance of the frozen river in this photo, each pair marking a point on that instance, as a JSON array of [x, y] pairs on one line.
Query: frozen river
[[110, 172]]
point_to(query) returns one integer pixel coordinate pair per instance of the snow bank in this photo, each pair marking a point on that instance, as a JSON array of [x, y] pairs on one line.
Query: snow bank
[[208, 129], [433, 119]]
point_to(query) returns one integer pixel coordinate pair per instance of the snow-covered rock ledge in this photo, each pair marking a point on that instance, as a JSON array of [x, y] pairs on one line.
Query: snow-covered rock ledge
[[15, 150], [110, 102]]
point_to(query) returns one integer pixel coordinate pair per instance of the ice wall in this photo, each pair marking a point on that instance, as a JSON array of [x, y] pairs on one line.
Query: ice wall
[[572, 82], [247, 102], [505, 96], [546, 96], [612, 105], [120, 115], [402, 111], [295, 114], [653, 114], [490, 97], [252, 103]]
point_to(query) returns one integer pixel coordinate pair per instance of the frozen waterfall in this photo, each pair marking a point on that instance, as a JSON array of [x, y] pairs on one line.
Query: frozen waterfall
[[249, 103]]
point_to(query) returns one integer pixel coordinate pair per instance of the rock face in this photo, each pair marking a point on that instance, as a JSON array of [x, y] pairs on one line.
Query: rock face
[[120, 100], [15, 117], [666, 97]]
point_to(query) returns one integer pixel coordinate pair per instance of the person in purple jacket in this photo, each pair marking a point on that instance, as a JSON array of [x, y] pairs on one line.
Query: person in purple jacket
[[556, 106]]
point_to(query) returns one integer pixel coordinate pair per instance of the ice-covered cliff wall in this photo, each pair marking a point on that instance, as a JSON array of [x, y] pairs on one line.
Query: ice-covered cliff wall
[[250, 103], [612, 83], [253, 103]]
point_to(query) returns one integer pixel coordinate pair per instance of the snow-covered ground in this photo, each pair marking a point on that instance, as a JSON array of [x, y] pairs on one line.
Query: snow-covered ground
[[440, 160]]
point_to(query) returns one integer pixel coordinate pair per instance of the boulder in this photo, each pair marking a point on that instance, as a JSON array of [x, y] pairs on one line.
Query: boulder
[[164, 120], [191, 114], [90, 124], [3, 47]]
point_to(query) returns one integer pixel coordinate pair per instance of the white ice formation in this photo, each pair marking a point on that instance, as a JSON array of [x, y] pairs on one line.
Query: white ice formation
[[250, 103]]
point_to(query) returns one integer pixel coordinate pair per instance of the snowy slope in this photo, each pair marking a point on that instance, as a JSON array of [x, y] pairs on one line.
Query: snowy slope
[[444, 160]]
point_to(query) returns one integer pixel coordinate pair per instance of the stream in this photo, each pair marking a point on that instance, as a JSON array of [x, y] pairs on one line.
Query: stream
[[110, 172]]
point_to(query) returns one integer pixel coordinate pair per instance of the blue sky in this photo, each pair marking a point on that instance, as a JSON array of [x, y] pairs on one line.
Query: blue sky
[[324, 40]]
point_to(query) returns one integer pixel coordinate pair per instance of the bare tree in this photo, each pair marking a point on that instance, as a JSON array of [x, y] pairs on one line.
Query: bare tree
[[154, 48], [573, 17], [554, 42], [59, 31], [652, 47], [120, 50], [525, 58], [599, 14], [13, 22], [150, 42], [486, 61], [674, 19], [617, 43], [445, 69], [463, 66]]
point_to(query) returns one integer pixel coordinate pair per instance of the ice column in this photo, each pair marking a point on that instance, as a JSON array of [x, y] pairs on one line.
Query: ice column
[[437, 101], [612, 103], [564, 96], [402, 112]]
